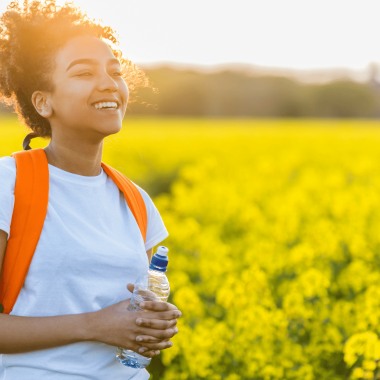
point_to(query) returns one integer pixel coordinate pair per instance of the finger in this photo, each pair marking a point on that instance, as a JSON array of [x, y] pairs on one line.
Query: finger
[[161, 334], [130, 287], [142, 339], [165, 315], [157, 306], [156, 323], [155, 346], [141, 349], [149, 353]]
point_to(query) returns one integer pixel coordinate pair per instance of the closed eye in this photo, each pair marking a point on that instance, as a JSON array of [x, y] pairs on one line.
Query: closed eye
[[83, 74]]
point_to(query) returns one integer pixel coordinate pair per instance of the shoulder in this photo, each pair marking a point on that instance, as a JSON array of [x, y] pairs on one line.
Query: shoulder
[[144, 194], [7, 172], [7, 164], [156, 230], [7, 188], [151, 208]]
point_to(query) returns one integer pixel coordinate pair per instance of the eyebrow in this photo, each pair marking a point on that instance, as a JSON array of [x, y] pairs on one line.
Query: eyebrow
[[90, 61]]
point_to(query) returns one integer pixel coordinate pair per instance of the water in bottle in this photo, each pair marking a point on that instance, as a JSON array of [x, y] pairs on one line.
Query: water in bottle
[[152, 285]]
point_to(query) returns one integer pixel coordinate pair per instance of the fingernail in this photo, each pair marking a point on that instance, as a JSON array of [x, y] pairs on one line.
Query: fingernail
[[139, 339], [139, 321], [171, 344], [176, 329], [142, 304], [142, 349], [179, 314]]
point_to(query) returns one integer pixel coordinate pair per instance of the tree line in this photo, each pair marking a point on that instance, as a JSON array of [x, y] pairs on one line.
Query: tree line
[[238, 94]]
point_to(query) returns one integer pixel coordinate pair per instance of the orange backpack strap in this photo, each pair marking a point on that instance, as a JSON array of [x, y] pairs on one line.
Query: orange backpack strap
[[132, 195], [29, 212]]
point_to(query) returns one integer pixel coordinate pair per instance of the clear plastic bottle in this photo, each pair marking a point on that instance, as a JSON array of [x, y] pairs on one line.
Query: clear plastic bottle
[[152, 285]]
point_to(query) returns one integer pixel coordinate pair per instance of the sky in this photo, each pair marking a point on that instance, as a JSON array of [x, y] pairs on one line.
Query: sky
[[294, 34]]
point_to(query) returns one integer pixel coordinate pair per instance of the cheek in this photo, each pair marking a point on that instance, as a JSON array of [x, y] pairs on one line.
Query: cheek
[[78, 92], [71, 100]]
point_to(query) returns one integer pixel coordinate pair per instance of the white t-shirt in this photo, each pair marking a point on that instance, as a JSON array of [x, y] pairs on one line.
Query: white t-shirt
[[89, 249]]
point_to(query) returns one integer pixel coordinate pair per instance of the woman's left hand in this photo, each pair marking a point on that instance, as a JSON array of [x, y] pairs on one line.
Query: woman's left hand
[[158, 320]]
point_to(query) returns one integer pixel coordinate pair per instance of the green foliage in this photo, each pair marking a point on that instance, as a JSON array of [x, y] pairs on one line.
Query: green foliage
[[274, 243], [234, 93], [238, 94]]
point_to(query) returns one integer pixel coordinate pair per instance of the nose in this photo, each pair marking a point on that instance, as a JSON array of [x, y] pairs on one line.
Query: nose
[[107, 83]]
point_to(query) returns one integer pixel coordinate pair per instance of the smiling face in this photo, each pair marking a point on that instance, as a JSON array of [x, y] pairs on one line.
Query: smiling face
[[86, 75]]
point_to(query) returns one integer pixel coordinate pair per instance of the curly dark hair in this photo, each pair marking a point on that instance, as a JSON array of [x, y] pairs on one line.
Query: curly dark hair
[[29, 38]]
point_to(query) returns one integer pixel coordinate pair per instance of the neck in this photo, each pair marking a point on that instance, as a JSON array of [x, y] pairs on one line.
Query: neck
[[75, 156]]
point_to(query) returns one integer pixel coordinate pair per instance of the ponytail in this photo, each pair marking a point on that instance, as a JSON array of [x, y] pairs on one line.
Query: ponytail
[[27, 139]]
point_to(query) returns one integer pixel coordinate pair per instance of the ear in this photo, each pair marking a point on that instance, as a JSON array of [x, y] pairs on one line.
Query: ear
[[41, 103]]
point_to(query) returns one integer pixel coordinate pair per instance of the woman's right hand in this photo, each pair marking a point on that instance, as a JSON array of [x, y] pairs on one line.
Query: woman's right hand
[[117, 326]]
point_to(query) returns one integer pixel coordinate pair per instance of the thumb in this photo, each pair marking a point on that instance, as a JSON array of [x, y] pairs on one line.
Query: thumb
[[130, 287]]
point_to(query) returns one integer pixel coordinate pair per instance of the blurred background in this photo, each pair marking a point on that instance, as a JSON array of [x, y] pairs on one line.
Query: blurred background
[[261, 150], [250, 59]]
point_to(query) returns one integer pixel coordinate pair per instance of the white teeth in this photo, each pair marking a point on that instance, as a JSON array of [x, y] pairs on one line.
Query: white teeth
[[101, 105]]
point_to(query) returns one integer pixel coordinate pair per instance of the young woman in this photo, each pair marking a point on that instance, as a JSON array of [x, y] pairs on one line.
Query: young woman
[[57, 69]]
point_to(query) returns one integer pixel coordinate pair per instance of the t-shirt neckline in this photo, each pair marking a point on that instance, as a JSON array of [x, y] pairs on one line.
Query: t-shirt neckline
[[97, 180]]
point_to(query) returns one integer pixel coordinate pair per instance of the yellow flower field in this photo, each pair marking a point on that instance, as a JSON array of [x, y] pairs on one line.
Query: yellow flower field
[[274, 242]]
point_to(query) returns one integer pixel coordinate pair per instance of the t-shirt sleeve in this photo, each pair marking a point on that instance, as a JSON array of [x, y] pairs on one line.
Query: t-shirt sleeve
[[7, 191], [156, 230]]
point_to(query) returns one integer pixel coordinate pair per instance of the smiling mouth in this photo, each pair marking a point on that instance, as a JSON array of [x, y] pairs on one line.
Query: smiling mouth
[[106, 108]]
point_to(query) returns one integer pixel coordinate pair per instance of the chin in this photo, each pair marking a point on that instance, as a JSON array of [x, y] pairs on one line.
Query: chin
[[110, 130]]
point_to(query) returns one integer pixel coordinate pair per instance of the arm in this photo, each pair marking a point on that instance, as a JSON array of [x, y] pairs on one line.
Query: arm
[[113, 325], [23, 334]]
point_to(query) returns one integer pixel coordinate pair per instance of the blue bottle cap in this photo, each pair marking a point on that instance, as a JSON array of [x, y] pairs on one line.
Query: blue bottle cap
[[160, 259]]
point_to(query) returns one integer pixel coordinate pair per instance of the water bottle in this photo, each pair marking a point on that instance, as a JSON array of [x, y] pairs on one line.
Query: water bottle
[[152, 285]]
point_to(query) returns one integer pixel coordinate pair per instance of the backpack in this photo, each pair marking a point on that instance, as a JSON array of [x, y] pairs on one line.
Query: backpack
[[29, 212]]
